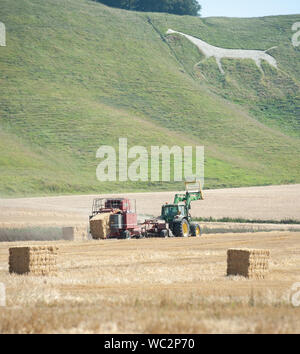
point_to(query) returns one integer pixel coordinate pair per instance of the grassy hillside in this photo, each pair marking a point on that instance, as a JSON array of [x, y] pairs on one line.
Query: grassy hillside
[[76, 75], [273, 98]]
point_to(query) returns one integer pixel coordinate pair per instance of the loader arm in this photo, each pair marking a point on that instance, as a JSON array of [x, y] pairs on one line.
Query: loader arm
[[189, 196]]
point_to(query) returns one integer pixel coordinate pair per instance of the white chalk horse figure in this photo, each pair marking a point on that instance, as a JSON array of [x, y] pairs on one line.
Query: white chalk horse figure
[[220, 53]]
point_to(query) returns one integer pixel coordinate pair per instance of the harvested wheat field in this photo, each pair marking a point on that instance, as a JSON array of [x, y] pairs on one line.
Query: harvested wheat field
[[175, 285], [267, 203]]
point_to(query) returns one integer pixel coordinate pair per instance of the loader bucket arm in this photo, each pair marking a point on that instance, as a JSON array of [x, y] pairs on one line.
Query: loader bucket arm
[[193, 192]]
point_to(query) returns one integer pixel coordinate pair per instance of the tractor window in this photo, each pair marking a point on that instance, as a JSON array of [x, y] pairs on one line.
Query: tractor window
[[181, 209], [170, 210]]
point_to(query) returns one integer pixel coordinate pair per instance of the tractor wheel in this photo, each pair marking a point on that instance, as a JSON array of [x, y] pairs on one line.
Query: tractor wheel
[[163, 233], [196, 230], [181, 228]]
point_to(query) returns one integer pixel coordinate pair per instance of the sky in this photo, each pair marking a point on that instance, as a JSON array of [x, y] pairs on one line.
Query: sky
[[250, 8]]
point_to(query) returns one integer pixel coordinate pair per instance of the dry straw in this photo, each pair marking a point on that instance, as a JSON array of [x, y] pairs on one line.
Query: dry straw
[[250, 263], [76, 233], [99, 226], [35, 260]]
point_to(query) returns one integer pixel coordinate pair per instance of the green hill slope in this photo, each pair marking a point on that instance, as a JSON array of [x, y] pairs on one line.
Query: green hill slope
[[76, 75]]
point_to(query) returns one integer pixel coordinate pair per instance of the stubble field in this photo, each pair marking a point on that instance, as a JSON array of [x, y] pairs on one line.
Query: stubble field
[[155, 286], [265, 203]]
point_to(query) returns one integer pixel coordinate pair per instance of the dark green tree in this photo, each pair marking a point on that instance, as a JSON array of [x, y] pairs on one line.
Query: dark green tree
[[178, 7], [112, 3]]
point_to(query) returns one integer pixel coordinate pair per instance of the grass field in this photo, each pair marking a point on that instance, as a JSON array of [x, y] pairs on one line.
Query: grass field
[[76, 75], [155, 286]]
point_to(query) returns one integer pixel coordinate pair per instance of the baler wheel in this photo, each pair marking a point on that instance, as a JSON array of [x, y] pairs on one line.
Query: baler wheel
[[125, 234]]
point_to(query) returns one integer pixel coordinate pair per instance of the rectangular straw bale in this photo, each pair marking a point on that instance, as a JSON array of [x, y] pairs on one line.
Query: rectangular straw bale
[[77, 233], [99, 226], [34, 260], [250, 263]]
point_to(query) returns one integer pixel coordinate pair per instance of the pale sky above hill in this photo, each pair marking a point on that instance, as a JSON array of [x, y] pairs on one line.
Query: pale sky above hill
[[252, 8]]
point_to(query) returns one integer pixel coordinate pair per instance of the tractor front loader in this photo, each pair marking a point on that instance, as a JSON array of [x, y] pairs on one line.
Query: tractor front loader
[[176, 218]]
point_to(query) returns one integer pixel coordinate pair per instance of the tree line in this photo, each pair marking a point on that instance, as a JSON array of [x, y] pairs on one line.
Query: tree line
[[178, 7]]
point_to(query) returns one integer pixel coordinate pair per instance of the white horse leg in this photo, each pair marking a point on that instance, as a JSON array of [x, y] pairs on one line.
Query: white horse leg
[[258, 64], [218, 60]]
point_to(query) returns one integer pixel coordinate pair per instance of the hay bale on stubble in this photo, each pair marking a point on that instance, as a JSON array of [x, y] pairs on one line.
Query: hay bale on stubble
[[99, 226], [250, 263], [34, 260], [77, 233]]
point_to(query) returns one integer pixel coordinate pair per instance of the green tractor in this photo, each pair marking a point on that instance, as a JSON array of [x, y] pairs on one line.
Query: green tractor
[[177, 215]]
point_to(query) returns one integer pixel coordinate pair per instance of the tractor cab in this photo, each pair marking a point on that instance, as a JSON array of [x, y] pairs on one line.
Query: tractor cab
[[170, 211]]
